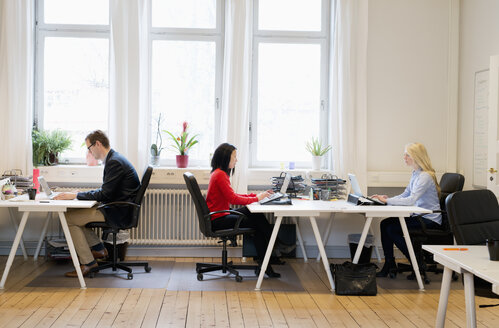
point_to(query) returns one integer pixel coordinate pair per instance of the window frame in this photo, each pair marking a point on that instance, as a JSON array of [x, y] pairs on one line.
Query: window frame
[[43, 31], [322, 38], [216, 35]]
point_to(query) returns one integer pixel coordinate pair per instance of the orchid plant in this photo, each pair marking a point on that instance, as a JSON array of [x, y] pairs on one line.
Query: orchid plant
[[183, 143]]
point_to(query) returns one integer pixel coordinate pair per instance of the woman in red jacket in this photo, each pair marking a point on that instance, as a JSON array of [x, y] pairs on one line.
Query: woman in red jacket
[[221, 195]]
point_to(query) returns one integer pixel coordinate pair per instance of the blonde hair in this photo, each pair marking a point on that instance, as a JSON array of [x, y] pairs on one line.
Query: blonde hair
[[418, 153]]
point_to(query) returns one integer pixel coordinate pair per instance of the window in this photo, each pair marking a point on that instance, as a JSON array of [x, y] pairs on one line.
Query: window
[[186, 70], [72, 69], [290, 71]]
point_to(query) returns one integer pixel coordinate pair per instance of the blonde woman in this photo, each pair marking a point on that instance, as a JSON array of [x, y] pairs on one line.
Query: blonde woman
[[423, 191]]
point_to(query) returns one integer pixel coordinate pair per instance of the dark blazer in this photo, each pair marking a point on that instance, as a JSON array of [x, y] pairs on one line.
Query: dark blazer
[[120, 182]]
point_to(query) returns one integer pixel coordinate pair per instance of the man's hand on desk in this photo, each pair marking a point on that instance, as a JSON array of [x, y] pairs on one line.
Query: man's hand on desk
[[381, 198], [66, 196], [264, 194]]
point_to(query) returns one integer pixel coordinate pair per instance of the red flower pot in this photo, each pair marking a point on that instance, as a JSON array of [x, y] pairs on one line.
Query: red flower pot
[[182, 161]]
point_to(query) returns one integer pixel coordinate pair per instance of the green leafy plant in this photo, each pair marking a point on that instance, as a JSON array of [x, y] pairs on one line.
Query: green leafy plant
[[48, 144], [315, 147], [183, 143], [157, 147]]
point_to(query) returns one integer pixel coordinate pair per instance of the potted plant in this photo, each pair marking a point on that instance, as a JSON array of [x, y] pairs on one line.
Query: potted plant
[[183, 144], [315, 147], [157, 147], [47, 145]]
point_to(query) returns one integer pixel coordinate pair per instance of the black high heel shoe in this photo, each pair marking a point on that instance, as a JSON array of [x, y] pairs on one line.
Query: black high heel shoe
[[389, 269], [269, 272]]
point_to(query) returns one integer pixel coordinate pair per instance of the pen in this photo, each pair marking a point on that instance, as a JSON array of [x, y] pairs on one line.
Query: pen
[[455, 249]]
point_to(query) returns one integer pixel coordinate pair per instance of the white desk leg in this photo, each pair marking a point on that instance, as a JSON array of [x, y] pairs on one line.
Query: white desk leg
[[444, 298], [322, 251], [13, 250], [14, 222], [42, 236], [325, 238], [270, 247], [408, 242], [469, 295], [300, 239], [362, 240], [72, 250], [376, 250]]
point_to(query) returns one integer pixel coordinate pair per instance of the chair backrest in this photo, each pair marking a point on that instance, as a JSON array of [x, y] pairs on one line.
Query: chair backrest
[[144, 183], [200, 203], [473, 216], [450, 183]]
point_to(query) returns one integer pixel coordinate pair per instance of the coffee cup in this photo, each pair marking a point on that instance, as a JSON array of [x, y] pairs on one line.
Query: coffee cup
[[493, 246], [31, 193]]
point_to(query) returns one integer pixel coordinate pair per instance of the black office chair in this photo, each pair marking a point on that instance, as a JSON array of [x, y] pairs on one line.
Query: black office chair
[[129, 220], [204, 217], [449, 183], [474, 217]]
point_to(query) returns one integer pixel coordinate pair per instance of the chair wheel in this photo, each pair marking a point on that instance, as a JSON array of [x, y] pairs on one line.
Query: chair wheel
[[129, 276], [200, 277], [392, 275], [147, 268], [239, 278]]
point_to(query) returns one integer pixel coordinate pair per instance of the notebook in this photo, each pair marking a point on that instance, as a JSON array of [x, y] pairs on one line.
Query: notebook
[[357, 192], [46, 188], [281, 193]]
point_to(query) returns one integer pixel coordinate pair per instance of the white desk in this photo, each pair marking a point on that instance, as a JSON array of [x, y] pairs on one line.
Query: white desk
[[313, 209], [54, 206], [473, 261]]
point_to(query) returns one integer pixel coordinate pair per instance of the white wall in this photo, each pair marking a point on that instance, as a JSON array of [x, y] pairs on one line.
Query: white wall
[[479, 39], [410, 53]]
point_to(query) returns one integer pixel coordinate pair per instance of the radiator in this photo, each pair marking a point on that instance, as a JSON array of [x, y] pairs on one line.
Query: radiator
[[168, 217]]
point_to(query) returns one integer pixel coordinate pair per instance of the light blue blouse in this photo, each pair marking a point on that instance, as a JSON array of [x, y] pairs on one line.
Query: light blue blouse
[[420, 192]]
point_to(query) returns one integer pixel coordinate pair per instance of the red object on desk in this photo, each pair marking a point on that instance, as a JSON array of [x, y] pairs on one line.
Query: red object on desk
[[36, 174], [455, 249]]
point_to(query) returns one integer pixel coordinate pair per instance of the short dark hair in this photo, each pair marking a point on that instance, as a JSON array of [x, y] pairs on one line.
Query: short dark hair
[[221, 157], [98, 135]]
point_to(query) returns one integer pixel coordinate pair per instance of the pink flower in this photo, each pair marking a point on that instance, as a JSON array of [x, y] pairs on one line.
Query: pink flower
[[184, 125]]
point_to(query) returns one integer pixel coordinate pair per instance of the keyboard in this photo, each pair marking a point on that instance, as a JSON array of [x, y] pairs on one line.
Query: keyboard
[[274, 196]]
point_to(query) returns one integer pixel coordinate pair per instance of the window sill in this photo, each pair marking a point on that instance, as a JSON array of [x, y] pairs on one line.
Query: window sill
[[163, 174]]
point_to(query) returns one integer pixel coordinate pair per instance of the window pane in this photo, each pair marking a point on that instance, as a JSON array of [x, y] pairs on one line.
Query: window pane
[[183, 89], [184, 13], [94, 12], [289, 15], [76, 87], [288, 100]]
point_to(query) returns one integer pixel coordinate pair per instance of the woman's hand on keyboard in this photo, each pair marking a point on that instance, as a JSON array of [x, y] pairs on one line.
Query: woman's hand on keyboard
[[264, 194]]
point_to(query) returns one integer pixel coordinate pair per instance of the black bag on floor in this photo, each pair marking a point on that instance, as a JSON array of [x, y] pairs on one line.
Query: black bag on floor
[[354, 279]]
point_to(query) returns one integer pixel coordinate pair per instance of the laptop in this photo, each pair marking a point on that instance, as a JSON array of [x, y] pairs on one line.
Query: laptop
[[46, 188], [281, 193], [357, 192]]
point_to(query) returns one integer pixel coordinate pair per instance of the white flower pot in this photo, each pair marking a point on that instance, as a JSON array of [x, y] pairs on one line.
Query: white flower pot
[[316, 162]]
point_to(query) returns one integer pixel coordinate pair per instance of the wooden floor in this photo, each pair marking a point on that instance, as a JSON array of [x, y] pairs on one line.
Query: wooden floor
[[22, 306]]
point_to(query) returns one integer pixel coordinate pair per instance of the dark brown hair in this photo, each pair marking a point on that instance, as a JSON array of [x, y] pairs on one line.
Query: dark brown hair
[[98, 135], [221, 158]]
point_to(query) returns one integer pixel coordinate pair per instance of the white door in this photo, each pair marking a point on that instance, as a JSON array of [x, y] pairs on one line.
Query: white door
[[493, 142]]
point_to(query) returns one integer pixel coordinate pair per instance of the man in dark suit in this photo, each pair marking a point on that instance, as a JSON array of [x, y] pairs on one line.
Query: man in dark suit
[[120, 183]]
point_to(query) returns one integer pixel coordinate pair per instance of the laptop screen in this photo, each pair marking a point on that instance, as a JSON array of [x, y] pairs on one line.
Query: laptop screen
[[355, 185], [285, 183], [45, 186]]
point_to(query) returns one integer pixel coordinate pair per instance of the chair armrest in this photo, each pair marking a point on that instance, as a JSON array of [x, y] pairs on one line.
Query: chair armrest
[[239, 219], [118, 204]]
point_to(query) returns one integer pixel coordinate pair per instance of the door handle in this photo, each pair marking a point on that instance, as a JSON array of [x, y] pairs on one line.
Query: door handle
[[492, 170]]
